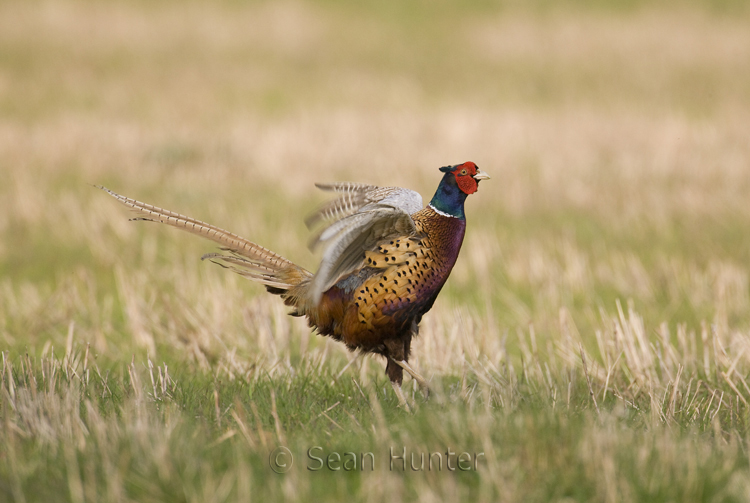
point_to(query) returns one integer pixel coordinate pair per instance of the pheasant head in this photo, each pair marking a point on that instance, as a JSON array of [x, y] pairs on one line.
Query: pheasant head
[[459, 181]]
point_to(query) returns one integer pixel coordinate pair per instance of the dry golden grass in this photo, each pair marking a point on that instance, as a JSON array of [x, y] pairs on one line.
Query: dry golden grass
[[614, 227]]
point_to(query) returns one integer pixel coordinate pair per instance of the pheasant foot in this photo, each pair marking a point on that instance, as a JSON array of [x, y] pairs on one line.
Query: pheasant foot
[[400, 395], [415, 375]]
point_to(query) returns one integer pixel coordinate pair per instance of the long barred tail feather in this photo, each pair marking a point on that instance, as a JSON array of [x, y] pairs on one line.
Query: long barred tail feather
[[273, 279], [247, 258]]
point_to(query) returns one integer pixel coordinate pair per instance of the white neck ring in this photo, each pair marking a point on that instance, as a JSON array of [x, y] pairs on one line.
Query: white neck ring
[[441, 212]]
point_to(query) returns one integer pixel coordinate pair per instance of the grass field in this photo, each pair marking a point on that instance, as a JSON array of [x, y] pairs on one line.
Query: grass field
[[615, 231]]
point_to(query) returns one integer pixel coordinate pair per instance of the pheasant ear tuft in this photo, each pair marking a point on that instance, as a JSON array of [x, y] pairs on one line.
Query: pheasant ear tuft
[[446, 169]]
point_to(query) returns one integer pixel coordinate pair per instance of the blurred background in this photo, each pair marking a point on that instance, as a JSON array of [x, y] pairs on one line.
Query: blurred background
[[615, 229], [616, 134]]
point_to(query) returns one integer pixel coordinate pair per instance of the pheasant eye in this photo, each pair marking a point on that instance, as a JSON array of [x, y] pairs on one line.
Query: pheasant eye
[[463, 171]]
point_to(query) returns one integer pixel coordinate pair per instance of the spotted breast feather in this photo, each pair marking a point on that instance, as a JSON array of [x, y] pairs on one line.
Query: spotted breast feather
[[402, 278]]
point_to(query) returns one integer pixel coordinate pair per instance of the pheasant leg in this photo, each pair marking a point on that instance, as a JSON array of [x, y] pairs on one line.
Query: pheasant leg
[[395, 372], [415, 375]]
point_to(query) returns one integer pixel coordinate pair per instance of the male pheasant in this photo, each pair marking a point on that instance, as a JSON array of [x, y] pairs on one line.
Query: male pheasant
[[385, 260]]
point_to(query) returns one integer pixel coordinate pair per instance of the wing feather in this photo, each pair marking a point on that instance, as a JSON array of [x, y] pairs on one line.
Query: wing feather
[[363, 217], [354, 196]]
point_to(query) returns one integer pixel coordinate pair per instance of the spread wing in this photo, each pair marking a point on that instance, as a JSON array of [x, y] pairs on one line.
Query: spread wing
[[357, 221]]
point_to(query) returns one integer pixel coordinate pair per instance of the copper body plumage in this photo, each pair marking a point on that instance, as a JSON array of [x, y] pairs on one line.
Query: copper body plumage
[[385, 259]]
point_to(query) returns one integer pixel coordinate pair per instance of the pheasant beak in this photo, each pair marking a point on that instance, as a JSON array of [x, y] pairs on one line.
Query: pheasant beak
[[480, 175]]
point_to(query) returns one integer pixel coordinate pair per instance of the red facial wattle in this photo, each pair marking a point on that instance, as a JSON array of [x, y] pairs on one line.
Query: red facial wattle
[[464, 177]]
